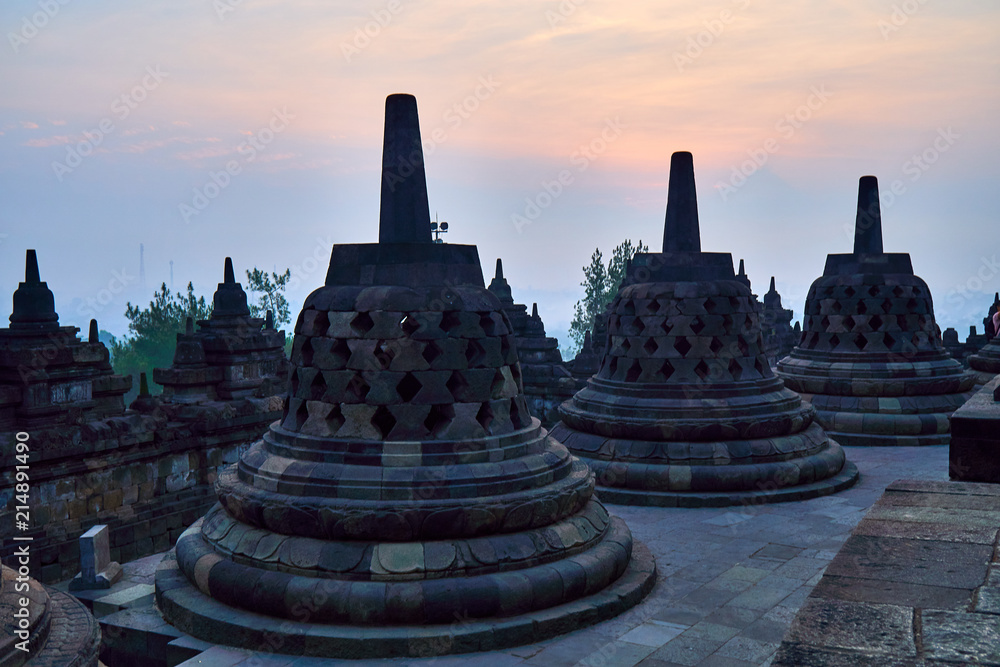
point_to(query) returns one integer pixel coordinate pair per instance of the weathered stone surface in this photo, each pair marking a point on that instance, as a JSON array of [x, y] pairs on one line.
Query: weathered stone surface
[[406, 485], [974, 450], [685, 409], [869, 336]]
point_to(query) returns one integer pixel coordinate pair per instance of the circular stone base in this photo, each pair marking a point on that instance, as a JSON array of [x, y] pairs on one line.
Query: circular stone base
[[846, 478], [194, 613]]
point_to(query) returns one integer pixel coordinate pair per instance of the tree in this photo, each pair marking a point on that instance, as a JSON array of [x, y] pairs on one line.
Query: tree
[[153, 333], [271, 291], [600, 285]]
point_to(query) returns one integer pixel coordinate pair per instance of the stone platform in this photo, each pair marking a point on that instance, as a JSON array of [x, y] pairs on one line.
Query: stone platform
[[730, 581], [917, 583], [974, 451]]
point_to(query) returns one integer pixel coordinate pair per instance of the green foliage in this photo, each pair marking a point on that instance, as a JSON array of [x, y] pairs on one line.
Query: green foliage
[[600, 285], [269, 291], [153, 331]]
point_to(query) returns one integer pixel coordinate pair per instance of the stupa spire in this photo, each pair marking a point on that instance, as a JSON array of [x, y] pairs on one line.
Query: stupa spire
[[94, 333], [868, 225], [404, 216], [680, 231], [229, 276], [499, 273], [771, 288]]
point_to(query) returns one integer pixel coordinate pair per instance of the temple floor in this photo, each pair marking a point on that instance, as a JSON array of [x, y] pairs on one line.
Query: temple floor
[[730, 581]]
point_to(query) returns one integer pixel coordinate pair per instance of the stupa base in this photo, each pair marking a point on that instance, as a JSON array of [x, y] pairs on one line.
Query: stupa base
[[846, 478], [205, 618]]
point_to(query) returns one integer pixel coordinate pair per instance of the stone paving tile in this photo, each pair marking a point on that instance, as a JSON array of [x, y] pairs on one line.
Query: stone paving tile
[[753, 651], [687, 650], [653, 633], [617, 653]]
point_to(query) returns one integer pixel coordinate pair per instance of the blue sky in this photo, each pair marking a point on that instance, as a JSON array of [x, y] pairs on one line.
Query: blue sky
[[115, 117]]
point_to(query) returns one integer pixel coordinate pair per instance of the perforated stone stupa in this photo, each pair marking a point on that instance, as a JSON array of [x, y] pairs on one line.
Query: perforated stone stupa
[[985, 363], [871, 359], [685, 410], [547, 380], [406, 499]]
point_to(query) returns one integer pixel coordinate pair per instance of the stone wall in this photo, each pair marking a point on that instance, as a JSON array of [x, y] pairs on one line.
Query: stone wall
[[147, 476]]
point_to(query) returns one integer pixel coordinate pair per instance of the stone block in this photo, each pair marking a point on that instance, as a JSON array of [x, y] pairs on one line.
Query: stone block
[[97, 570]]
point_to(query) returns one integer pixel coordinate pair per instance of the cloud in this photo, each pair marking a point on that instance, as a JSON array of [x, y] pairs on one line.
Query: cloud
[[28, 125], [58, 140]]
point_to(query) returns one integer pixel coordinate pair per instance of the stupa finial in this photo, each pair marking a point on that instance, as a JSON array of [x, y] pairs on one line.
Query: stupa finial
[[404, 216], [94, 336], [680, 232], [31, 275], [771, 289], [534, 311], [499, 273], [230, 276], [742, 272], [868, 226]]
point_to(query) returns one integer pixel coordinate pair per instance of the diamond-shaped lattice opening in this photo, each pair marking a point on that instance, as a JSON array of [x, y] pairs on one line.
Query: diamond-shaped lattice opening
[[505, 347], [487, 324], [862, 308], [612, 365], [294, 420], [457, 384], [834, 340], [887, 306], [409, 325], [408, 387], [438, 418], [697, 326], [383, 420], [515, 373], [634, 371], [321, 322], [634, 327], [653, 307], [848, 291], [295, 382], [450, 320], [897, 291], [362, 323], [682, 345], [334, 419], [734, 303], [825, 322], [861, 342], [837, 307], [874, 290], [625, 345], [735, 369], [921, 321], [741, 343], [915, 290], [761, 367], [710, 306], [911, 305], [848, 322], [875, 322], [650, 346], [474, 354], [384, 354], [317, 388], [702, 370], [666, 326], [357, 389], [341, 350], [667, 369], [628, 307], [485, 416], [716, 345], [431, 352], [305, 353]]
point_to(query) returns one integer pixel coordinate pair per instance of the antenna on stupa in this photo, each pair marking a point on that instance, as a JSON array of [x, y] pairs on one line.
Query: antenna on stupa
[[404, 215], [680, 231], [868, 225]]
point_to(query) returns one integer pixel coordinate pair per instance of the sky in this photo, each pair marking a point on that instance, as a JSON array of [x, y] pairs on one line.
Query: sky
[[252, 128]]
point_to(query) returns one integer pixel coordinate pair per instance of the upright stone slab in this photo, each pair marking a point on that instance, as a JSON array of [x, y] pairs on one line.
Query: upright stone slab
[[547, 381], [685, 410], [871, 359], [406, 498], [97, 570]]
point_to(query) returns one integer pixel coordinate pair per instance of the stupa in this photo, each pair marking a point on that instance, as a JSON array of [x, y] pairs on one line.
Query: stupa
[[547, 381], [231, 356], [776, 321], [685, 410], [406, 504], [871, 359]]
